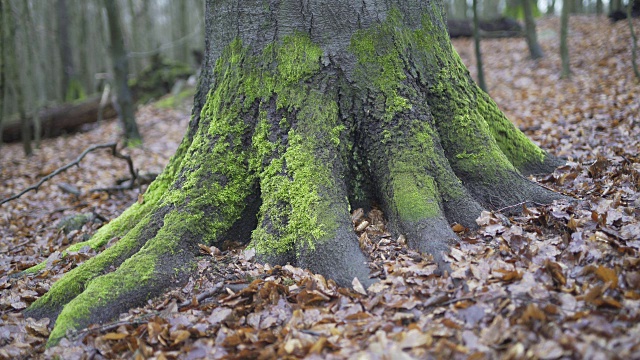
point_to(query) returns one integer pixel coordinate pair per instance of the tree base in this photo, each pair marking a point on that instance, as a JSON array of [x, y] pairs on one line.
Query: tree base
[[294, 131]]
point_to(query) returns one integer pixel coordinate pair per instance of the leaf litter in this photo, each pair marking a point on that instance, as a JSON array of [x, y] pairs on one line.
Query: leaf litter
[[555, 281]]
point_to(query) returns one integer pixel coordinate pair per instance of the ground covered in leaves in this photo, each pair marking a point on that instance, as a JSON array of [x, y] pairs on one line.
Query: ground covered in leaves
[[556, 281]]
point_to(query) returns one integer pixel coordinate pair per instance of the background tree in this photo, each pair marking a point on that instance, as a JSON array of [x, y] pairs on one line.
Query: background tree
[[551, 7], [490, 9], [615, 5], [71, 87], [303, 110], [17, 75], [564, 47], [121, 75], [458, 9], [530, 31], [2, 68], [478, 50], [634, 41], [515, 9]]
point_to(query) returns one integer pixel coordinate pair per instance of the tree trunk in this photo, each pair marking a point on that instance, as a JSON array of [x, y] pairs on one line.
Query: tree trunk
[[303, 110], [564, 47], [459, 9], [599, 7], [490, 9], [530, 30], [71, 87], [634, 43], [551, 7], [2, 69], [124, 105], [15, 79], [476, 41]]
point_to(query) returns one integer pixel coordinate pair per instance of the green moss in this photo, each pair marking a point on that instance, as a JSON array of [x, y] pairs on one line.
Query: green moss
[[291, 200], [383, 54], [514, 144], [171, 101], [297, 58], [415, 196], [220, 178], [290, 180], [158, 78], [75, 91], [471, 127], [134, 273], [73, 283], [380, 64], [87, 289]]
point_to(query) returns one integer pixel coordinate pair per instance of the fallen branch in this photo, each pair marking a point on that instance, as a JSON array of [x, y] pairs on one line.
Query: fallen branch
[[217, 288], [114, 152]]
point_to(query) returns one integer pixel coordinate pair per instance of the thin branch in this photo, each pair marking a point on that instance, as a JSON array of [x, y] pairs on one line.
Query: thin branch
[[204, 295], [114, 152]]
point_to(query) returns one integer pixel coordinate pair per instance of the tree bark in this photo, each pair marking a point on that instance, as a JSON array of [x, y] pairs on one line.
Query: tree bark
[[64, 45], [476, 40], [634, 43], [530, 30], [124, 104], [305, 109], [2, 69], [564, 46], [16, 81]]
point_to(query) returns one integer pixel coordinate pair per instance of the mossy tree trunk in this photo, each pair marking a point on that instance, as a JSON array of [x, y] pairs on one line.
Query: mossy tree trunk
[[305, 110]]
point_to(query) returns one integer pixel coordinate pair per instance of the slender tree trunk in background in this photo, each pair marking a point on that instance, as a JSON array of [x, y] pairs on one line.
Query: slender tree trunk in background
[[599, 7], [36, 72], [120, 74], [83, 36], [615, 5], [13, 70], [530, 30], [634, 42], [70, 88], [304, 110], [564, 47], [478, 50], [134, 33], [551, 7], [3, 41], [183, 31], [490, 9], [460, 9], [577, 7], [148, 11]]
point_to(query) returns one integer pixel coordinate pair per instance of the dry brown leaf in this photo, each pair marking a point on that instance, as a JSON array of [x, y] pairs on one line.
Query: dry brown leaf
[[114, 336]]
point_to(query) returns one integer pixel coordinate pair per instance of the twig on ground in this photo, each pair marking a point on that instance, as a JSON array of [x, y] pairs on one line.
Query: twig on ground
[[114, 152], [78, 335], [204, 295]]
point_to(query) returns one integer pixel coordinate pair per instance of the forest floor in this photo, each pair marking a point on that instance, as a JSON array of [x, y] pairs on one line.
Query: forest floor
[[557, 281]]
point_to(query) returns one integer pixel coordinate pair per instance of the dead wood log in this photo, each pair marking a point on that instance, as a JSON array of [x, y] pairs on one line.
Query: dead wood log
[[494, 28], [61, 119]]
